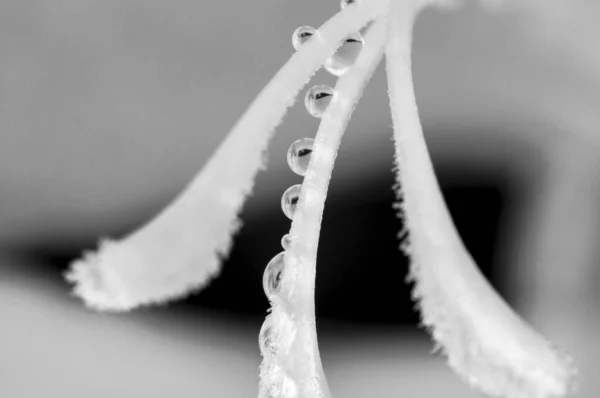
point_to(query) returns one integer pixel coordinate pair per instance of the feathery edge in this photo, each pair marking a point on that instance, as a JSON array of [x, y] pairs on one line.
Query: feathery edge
[[485, 341]]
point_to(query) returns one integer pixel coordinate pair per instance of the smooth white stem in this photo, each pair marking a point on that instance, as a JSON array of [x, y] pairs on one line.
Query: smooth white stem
[[485, 341]]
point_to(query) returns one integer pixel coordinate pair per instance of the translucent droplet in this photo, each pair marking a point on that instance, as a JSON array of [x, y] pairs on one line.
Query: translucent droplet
[[273, 274], [298, 155], [317, 99], [302, 35], [267, 339], [286, 241], [289, 200], [345, 56], [346, 3]]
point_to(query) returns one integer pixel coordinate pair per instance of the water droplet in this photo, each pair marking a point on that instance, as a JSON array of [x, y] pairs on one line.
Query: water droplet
[[317, 99], [267, 339], [302, 35], [298, 155], [273, 274], [346, 3], [286, 241], [345, 56], [289, 200]]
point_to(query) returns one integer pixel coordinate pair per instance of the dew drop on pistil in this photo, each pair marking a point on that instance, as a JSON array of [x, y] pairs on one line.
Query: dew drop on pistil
[[273, 274], [317, 99], [289, 200], [345, 56], [298, 155], [302, 35], [286, 242]]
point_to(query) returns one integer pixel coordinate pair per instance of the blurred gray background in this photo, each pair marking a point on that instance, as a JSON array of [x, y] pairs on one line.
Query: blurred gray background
[[108, 108]]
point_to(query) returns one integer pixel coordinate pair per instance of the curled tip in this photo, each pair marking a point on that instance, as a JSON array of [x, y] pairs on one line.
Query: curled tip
[[96, 285], [119, 277]]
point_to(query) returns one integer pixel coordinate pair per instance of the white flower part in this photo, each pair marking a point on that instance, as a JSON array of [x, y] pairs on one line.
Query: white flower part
[[485, 341], [301, 362], [182, 248], [444, 4]]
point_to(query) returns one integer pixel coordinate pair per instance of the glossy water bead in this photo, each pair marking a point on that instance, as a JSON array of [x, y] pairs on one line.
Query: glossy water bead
[[345, 56], [317, 99], [302, 35], [273, 274], [286, 241], [289, 200], [298, 155]]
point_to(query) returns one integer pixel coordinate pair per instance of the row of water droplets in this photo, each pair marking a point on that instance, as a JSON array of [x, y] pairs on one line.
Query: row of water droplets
[[275, 330]]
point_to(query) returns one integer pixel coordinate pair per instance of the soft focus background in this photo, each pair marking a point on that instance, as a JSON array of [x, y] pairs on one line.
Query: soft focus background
[[108, 108]]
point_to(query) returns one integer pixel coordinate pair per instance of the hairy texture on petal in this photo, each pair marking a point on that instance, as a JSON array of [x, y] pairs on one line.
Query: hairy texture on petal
[[181, 248], [485, 341], [299, 358]]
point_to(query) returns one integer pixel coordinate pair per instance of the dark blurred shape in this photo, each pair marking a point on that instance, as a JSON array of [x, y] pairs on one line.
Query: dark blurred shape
[[361, 272]]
